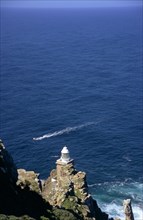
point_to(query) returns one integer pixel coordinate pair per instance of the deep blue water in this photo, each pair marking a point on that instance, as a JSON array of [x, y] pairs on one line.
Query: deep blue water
[[77, 68]]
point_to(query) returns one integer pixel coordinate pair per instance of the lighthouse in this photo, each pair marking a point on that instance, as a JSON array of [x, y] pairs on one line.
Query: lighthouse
[[65, 157], [65, 165]]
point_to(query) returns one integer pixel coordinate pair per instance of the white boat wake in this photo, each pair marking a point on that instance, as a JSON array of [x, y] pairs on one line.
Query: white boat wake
[[64, 131]]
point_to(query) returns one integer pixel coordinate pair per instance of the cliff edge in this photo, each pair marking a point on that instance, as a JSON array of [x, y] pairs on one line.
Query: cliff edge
[[63, 196], [67, 188]]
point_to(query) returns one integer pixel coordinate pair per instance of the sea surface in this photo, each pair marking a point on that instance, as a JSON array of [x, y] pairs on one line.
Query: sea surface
[[74, 77]]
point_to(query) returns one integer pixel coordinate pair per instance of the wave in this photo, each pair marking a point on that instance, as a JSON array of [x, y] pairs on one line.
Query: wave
[[65, 131], [110, 196], [115, 210]]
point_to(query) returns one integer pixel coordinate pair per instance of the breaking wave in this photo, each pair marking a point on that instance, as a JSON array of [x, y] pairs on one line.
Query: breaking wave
[[64, 131], [116, 211], [110, 196]]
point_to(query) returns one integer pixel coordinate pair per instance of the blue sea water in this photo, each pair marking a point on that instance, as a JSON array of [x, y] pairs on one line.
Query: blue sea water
[[74, 77]]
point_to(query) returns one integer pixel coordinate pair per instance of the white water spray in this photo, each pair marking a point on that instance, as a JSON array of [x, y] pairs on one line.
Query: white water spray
[[64, 131]]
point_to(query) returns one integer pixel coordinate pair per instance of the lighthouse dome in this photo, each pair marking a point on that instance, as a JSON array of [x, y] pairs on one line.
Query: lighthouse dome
[[65, 150], [65, 157]]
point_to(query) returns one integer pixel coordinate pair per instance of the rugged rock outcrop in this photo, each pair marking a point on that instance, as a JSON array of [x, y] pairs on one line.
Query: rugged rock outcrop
[[63, 196], [14, 198], [67, 188], [24, 197], [8, 178], [29, 179], [8, 170], [128, 210]]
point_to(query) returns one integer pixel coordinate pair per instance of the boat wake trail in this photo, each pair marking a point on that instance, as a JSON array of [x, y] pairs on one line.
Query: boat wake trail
[[64, 131]]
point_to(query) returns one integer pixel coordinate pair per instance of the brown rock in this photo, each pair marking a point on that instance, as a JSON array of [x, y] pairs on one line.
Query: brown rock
[[29, 179]]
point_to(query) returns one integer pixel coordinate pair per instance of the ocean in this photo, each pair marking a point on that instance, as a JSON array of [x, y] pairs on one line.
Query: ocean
[[74, 77]]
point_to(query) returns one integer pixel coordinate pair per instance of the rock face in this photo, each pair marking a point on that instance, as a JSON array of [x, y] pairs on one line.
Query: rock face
[[19, 194], [63, 196], [128, 210], [8, 170], [67, 188], [29, 179], [8, 178]]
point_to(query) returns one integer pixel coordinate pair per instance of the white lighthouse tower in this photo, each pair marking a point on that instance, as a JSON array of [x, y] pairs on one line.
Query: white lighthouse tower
[[65, 165], [65, 157]]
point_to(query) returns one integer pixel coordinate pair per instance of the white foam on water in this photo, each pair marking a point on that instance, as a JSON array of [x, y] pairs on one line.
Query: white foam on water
[[115, 210], [110, 196], [138, 212], [64, 131]]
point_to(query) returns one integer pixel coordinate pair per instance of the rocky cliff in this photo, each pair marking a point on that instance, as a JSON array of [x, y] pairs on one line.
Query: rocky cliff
[[67, 188], [19, 193], [63, 196]]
